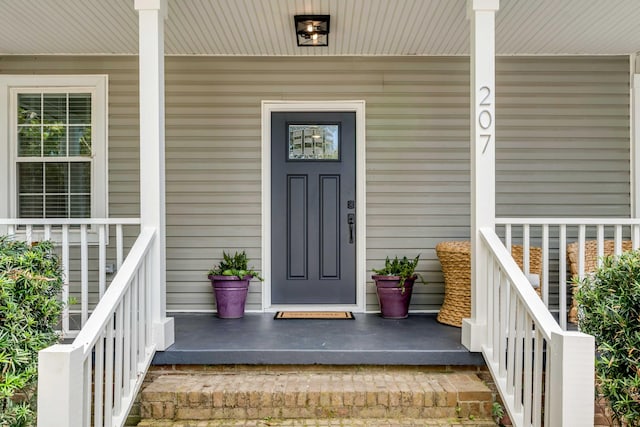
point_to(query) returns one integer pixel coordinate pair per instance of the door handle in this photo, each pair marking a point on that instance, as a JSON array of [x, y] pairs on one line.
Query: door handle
[[351, 220]]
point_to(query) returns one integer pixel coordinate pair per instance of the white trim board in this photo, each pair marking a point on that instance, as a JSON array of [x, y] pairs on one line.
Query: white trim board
[[358, 107]]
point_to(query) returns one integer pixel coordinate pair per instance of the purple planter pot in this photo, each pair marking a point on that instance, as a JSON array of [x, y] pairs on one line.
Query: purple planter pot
[[231, 295], [394, 304]]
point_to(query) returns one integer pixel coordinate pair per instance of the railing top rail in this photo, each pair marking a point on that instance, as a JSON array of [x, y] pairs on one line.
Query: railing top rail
[[103, 312], [534, 305], [568, 221], [69, 221]]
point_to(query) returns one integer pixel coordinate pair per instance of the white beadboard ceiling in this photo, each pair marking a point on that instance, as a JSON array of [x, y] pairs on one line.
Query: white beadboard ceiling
[[358, 27]]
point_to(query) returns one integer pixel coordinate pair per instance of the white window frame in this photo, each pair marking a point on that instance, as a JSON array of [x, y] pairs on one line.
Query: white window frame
[[97, 85]]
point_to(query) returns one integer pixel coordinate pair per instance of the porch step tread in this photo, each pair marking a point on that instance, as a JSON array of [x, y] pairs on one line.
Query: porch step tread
[[325, 422], [308, 395]]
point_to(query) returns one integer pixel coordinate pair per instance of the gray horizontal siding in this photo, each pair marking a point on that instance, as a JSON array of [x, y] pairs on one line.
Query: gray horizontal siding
[[562, 149]]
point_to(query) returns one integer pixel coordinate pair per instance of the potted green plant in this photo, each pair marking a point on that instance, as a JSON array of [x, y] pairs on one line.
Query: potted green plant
[[230, 281], [394, 286]]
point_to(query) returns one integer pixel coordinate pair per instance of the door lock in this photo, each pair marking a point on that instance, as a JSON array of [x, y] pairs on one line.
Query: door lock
[[351, 220], [351, 204]]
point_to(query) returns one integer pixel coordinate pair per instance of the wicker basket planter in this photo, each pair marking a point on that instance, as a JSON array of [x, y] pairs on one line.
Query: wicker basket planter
[[455, 258]]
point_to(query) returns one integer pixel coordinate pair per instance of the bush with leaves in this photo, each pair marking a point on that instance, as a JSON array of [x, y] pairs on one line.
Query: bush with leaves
[[609, 302], [30, 283]]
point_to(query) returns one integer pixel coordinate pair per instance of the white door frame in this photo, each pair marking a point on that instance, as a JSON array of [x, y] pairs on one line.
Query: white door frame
[[357, 107]]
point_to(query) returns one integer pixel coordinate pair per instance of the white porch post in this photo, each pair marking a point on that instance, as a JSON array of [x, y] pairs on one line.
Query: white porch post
[[635, 144], [482, 16], [151, 14]]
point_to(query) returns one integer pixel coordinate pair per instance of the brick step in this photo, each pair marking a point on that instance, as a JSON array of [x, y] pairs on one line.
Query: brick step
[[324, 422], [316, 395]]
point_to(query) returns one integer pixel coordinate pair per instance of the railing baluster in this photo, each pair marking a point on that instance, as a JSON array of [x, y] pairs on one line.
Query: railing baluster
[[503, 324], [135, 339], [600, 244], [29, 234], [562, 274], [142, 315], [618, 240], [47, 232], [119, 356], [102, 261], [537, 378], [119, 246], [108, 373], [511, 344], [528, 368], [526, 245], [88, 397], [65, 279], [520, 336], [635, 236], [98, 382], [128, 337], [84, 274], [581, 250], [495, 310], [545, 264], [507, 238]]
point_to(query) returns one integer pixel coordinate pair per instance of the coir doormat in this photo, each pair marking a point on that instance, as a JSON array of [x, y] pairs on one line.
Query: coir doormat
[[338, 315]]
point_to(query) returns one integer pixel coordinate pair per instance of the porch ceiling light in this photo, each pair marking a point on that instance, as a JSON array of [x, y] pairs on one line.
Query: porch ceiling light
[[312, 30]]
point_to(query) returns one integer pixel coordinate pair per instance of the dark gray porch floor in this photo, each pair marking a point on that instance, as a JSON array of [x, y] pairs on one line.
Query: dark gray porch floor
[[368, 340]]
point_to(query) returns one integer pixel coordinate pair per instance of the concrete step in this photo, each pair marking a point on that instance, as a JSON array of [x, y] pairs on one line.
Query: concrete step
[[325, 422], [333, 396]]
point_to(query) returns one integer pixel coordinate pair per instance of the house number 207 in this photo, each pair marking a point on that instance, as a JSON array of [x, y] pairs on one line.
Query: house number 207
[[485, 118]]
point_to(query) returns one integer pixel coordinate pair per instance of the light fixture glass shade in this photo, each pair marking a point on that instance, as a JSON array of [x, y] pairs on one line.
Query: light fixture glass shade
[[312, 30]]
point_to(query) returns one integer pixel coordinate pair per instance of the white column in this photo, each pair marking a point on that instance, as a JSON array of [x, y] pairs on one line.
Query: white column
[[635, 145], [151, 15], [482, 16]]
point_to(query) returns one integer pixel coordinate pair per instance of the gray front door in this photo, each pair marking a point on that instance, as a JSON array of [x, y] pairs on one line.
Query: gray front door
[[313, 192]]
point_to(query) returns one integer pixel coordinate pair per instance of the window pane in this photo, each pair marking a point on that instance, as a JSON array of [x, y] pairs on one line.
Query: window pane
[[30, 206], [80, 178], [30, 178], [79, 140], [56, 178], [55, 140], [313, 142], [55, 108], [80, 108], [29, 141], [56, 206], [81, 206], [29, 108]]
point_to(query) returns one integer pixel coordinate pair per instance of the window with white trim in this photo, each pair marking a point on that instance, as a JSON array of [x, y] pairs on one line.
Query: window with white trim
[[55, 145]]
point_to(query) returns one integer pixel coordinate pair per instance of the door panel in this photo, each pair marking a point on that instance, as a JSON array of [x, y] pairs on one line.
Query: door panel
[[313, 181]]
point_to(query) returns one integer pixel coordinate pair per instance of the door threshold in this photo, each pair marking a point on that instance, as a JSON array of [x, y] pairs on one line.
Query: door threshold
[[314, 307]]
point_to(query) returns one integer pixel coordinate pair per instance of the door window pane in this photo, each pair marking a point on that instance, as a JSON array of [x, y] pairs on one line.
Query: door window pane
[[313, 142]]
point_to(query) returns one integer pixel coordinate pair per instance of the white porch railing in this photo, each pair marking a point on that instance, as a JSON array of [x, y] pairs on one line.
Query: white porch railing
[[94, 380], [84, 246], [553, 235], [545, 375]]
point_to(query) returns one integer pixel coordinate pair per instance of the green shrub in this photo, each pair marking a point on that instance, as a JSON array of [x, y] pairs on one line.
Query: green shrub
[[30, 282], [609, 302]]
